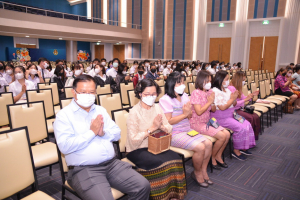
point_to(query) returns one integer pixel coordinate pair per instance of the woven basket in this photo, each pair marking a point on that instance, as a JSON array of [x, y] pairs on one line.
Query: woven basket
[[159, 145]]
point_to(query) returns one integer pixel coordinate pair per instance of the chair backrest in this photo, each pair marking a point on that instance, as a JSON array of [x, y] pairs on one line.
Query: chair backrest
[[253, 89], [272, 85], [103, 90], [132, 99], [120, 117], [256, 79], [260, 77], [264, 76], [6, 87], [5, 99], [271, 75], [54, 88], [68, 92], [252, 75], [262, 89], [162, 88], [17, 168], [191, 88], [65, 102], [47, 80], [123, 90], [33, 117], [255, 72], [110, 102], [186, 82], [43, 95], [267, 71], [263, 71], [248, 73], [245, 90], [160, 82], [259, 71], [249, 81], [268, 88], [194, 78]]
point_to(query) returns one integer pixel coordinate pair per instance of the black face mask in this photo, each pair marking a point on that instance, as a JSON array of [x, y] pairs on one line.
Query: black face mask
[[283, 74], [153, 70], [141, 72], [60, 74]]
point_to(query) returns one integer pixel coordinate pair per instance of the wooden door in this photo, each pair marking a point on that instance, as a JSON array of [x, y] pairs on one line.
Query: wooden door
[[119, 52], [219, 49], [99, 51], [270, 52], [32, 46], [255, 54]]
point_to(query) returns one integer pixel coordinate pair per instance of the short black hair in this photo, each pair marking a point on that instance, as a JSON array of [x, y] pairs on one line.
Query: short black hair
[[116, 59], [41, 60], [141, 86], [297, 68], [292, 64], [173, 78], [58, 60], [146, 61], [141, 67], [1, 62], [135, 62], [121, 68], [96, 59], [202, 76], [21, 68], [83, 78], [213, 64], [219, 78], [103, 59], [10, 65]]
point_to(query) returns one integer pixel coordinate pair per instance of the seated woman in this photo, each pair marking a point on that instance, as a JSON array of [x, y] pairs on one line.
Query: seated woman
[[20, 85], [139, 76], [59, 77], [122, 76], [77, 71], [34, 75], [281, 86], [225, 100], [196, 69], [144, 119], [9, 76], [237, 83], [102, 79], [177, 108], [294, 88], [296, 76], [202, 100]]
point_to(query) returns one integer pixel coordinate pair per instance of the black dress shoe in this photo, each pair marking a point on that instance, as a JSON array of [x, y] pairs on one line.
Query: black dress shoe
[[217, 167], [204, 184], [224, 165]]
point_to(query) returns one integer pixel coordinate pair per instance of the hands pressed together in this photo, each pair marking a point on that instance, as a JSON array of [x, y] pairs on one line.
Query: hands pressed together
[[97, 125]]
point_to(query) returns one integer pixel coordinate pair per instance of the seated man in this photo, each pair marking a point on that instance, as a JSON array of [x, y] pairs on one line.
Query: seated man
[[152, 73], [84, 133]]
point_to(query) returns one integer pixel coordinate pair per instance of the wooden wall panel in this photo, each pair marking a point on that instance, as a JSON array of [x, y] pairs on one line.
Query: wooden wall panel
[[99, 51], [119, 52], [26, 46], [270, 53], [255, 54]]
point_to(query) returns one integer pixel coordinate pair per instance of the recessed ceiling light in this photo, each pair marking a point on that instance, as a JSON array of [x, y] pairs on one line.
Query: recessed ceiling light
[[117, 43], [120, 42], [99, 41], [60, 38], [27, 36]]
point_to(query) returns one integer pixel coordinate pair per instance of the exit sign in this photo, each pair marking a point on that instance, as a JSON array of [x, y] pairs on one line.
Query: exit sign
[[221, 25], [266, 22]]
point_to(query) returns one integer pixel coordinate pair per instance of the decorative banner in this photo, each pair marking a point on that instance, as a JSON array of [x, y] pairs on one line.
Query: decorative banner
[[83, 55], [23, 54]]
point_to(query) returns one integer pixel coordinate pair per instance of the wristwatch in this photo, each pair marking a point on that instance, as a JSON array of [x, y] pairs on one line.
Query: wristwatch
[[148, 131]]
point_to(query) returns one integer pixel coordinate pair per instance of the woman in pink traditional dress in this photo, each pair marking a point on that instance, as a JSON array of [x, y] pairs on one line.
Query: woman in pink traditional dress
[[177, 108], [202, 100]]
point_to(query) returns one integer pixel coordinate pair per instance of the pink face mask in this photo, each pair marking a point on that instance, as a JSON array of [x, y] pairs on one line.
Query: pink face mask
[[289, 74]]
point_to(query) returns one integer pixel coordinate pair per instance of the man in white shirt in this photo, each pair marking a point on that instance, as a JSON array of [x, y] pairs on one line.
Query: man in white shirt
[[167, 70], [42, 67], [133, 69], [147, 65], [84, 133]]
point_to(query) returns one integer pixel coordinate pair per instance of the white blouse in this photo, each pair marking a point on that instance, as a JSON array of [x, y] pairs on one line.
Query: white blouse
[[3, 82], [221, 98], [103, 78], [15, 87], [35, 80]]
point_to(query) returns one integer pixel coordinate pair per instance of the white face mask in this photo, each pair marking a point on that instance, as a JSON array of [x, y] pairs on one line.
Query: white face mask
[[103, 63], [97, 70], [174, 66], [147, 64], [19, 76], [78, 72], [85, 100], [33, 71], [124, 72], [226, 84], [115, 65], [46, 65], [207, 86], [243, 83], [149, 100], [9, 72], [169, 66], [88, 69], [82, 69], [179, 89]]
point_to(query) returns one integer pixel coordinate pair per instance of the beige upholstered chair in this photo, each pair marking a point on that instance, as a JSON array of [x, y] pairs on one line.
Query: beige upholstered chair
[[68, 92], [162, 88], [65, 186], [281, 97], [103, 90], [186, 82], [191, 88], [47, 80], [132, 99], [123, 91], [110, 102], [65, 102], [6, 88], [33, 117], [5, 99], [46, 96], [194, 78], [55, 95], [17, 168], [160, 82]]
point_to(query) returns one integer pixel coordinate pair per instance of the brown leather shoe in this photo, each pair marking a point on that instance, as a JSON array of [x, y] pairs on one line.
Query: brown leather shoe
[[204, 184]]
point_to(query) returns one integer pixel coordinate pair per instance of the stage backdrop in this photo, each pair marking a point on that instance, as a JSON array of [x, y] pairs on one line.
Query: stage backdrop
[[24, 54]]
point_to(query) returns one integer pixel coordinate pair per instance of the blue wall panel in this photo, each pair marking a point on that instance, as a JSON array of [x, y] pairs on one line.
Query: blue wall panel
[[5, 41], [52, 44], [56, 5], [83, 45]]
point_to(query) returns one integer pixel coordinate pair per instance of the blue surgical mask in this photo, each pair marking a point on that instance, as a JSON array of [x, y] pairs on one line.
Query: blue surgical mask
[[115, 64]]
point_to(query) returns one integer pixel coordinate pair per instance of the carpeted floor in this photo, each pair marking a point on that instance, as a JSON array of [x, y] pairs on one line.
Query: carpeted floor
[[272, 172]]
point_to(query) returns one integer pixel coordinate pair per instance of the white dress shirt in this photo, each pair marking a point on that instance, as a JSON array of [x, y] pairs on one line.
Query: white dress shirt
[[75, 139], [3, 82], [15, 87], [92, 73], [112, 72], [35, 80], [166, 71], [45, 72], [132, 69]]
